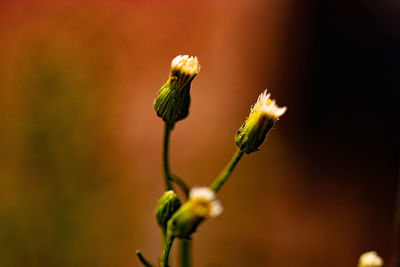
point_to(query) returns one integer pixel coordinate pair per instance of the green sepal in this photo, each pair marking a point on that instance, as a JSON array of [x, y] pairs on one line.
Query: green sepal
[[184, 222], [172, 103], [253, 133]]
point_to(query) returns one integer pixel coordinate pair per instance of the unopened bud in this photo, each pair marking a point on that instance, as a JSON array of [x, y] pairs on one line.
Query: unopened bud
[[262, 117], [173, 99], [168, 204]]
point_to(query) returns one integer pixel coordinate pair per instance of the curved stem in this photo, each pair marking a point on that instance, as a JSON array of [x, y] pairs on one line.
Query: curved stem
[[168, 126], [226, 172], [181, 184], [164, 258], [184, 251], [142, 259]]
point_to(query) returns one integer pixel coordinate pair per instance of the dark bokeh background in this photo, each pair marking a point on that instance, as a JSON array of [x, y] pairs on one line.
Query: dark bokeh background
[[80, 144]]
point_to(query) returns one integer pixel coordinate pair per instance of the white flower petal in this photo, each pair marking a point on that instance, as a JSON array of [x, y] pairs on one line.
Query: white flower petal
[[202, 192], [268, 106], [216, 208], [208, 195], [371, 259], [185, 64]]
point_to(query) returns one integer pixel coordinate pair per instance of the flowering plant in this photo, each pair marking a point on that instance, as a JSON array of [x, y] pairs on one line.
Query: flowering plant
[[180, 221]]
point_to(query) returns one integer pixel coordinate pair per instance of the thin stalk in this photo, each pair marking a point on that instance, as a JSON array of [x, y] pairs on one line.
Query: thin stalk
[[168, 176], [142, 259], [184, 252], [163, 237], [164, 257], [168, 126], [181, 184], [226, 172]]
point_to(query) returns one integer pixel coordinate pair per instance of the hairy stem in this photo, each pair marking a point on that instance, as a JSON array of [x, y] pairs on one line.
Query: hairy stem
[[226, 172]]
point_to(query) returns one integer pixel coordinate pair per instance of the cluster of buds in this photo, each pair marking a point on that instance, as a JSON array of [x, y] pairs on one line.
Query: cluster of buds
[[172, 104], [182, 221], [173, 99], [200, 206]]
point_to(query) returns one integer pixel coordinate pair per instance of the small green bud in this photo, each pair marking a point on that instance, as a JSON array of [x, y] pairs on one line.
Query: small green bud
[[168, 204], [173, 99], [263, 116], [200, 206], [370, 259]]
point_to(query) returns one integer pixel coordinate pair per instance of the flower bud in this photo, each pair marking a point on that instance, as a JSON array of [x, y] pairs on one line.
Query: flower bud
[[370, 259], [200, 206], [173, 99], [167, 205], [263, 116]]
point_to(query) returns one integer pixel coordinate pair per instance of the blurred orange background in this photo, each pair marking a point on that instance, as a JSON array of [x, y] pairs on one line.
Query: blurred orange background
[[80, 169]]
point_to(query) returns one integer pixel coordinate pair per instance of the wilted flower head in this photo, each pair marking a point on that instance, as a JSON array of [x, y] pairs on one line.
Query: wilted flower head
[[173, 99], [200, 206], [370, 259], [262, 117]]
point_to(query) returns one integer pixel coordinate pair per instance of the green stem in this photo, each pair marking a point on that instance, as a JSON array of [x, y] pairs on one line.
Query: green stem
[[168, 126], [164, 258], [163, 237], [142, 259], [168, 176], [226, 172], [184, 251], [181, 184]]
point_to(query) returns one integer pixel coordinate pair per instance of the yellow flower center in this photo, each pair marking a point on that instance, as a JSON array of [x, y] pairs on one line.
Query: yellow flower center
[[201, 207]]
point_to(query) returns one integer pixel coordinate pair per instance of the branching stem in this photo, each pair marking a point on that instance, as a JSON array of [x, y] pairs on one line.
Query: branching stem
[[168, 177], [164, 257]]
